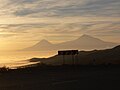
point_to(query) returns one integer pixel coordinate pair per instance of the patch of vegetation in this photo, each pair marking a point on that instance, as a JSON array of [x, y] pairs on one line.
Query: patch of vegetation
[[4, 69]]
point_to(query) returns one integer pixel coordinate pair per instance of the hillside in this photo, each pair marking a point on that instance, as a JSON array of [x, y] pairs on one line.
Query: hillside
[[106, 56]]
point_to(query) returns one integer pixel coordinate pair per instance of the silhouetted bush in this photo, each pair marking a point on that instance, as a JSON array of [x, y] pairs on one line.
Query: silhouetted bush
[[4, 69]]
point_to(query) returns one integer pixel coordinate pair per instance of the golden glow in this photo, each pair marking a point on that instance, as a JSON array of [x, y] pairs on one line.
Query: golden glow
[[23, 23]]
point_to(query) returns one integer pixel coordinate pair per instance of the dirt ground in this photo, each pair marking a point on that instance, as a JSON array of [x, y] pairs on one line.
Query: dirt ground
[[59, 78]]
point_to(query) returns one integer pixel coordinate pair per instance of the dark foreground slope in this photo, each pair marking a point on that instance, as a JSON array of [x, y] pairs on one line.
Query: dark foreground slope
[[62, 78], [106, 56]]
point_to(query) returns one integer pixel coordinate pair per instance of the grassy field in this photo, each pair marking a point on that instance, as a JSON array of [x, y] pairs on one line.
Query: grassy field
[[62, 78]]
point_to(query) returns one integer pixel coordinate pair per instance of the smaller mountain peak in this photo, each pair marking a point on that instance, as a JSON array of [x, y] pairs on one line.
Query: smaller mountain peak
[[44, 40], [85, 35]]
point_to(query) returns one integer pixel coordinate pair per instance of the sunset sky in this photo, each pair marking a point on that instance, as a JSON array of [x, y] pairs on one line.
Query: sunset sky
[[26, 22]]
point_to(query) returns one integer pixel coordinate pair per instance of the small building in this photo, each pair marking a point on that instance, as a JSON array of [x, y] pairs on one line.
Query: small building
[[68, 52]]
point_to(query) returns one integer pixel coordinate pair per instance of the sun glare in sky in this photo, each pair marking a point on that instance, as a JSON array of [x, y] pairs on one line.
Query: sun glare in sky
[[24, 23]]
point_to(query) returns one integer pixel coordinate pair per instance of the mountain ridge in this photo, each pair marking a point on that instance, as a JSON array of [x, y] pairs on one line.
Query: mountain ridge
[[85, 42]]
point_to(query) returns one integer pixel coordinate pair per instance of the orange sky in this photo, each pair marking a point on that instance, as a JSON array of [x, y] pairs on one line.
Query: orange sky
[[25, 22]]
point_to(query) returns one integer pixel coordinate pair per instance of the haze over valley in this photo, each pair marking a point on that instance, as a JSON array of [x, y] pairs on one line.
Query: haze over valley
[[39, 28], [84, 42]]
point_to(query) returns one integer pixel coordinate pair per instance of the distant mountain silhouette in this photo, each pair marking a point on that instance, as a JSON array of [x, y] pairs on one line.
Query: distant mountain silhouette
[[85, 42], [107, 56], [42, 45]]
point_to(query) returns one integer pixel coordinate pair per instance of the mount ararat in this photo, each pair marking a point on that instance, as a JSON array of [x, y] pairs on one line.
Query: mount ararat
[[85, 42]]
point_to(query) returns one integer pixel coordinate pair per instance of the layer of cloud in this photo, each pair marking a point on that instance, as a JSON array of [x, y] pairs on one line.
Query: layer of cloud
[[34, 10], [60, 8], [76, 29]]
